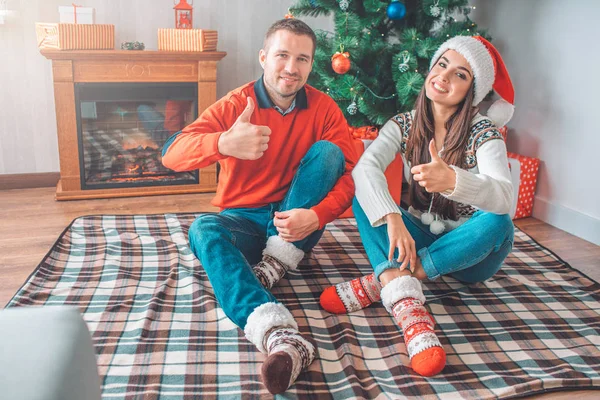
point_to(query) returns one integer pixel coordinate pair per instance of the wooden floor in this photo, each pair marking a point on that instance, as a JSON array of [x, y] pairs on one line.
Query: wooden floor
[[31, 220]]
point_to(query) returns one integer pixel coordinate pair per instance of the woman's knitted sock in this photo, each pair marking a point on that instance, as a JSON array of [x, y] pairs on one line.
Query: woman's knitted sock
[[403, 298], [350, 296]]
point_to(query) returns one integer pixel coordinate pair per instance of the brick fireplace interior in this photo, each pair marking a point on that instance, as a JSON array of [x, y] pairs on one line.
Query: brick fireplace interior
[[115, 109], [122, 128]]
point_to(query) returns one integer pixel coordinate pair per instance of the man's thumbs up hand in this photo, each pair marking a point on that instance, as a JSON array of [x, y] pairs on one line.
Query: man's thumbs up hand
[[245, 140], [247, 113], [435, 176]]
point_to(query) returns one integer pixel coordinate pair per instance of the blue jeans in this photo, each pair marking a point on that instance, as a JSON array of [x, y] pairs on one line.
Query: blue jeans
[[471, 253], [228, 243]]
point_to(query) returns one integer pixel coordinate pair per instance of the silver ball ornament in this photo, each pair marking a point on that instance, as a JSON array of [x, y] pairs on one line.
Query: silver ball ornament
[[352, 108]]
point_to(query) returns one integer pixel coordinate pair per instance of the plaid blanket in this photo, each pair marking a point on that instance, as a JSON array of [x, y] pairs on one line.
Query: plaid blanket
[[159, 333]]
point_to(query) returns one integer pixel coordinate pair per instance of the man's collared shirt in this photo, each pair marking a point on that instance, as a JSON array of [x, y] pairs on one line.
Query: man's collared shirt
[[289, 110], [264, 101]]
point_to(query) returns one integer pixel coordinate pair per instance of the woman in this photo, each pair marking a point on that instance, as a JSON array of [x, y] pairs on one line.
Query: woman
[[460, 195]]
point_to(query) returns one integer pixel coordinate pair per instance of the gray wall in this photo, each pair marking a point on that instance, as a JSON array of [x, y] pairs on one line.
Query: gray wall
[[550, 48], [28, 141]]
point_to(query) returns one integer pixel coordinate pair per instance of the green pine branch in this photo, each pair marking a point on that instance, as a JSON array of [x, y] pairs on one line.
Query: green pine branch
[[390, 59]]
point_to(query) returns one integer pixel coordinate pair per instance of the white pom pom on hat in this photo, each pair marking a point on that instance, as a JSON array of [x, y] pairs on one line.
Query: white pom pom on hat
[[489, 72]]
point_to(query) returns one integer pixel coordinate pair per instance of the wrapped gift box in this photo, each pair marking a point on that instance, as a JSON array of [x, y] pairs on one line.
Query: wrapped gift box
[[77, 14], [187, 40], [524, 171], [75, 36], [393, 174]]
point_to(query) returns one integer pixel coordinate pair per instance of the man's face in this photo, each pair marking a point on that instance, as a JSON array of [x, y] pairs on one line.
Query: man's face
[[287, 62]]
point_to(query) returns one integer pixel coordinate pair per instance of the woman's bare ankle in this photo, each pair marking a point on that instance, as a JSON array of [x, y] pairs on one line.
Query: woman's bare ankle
[[419, 271], [393, 273], [390, 274]]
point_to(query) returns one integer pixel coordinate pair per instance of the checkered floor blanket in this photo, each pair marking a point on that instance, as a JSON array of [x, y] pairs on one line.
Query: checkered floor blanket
[[159, 333]]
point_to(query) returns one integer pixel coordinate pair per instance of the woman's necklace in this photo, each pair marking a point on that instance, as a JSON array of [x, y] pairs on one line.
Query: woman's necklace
[[436, 226]]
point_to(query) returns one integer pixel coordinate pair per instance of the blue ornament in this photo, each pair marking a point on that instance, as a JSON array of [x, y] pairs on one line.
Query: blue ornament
[[396, 10]]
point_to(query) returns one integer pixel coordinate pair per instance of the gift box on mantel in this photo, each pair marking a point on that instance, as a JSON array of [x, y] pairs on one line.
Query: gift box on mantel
[[523, 171], [75, 14], [75, 36], [187, 39], [77, 30], [363, 137]]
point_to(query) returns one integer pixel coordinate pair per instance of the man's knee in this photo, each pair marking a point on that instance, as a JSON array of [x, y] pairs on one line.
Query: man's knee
[[329, 154], [205, 226]]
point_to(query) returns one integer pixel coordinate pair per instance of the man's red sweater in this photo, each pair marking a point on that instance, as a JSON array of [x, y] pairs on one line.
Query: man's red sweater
[[256, 183]]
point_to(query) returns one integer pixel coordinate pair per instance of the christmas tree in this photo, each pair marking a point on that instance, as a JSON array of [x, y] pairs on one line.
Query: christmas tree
[[375, 62]]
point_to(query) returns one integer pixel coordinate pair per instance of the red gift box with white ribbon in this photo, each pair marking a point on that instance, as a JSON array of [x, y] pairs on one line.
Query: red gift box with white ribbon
[[524, 172]]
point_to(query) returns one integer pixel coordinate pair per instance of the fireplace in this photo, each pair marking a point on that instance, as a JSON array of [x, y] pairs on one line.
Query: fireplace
[[115, 109], [123, 127]]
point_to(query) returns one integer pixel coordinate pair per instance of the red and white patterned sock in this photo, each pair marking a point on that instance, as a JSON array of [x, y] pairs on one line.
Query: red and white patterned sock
[[403, 298], [279, 256], [288, 354], [352, 295]]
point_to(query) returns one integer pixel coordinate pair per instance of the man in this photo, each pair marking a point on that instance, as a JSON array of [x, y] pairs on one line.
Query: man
[[286, 158]]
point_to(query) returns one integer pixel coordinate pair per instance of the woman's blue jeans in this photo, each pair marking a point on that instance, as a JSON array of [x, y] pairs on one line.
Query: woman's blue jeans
[[228, 243], [471, 253]]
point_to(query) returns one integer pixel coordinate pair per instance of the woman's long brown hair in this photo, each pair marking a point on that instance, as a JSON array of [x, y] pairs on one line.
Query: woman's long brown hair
[[417, 148]]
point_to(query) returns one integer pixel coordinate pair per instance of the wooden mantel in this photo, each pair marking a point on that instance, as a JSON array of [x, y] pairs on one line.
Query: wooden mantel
[[70, 67], [132, 54]]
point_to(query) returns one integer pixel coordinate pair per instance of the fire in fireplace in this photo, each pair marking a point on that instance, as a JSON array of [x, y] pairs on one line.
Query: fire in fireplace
[[122, 128]]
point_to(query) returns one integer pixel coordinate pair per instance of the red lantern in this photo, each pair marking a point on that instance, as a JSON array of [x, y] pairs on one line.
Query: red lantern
[[183, 14]]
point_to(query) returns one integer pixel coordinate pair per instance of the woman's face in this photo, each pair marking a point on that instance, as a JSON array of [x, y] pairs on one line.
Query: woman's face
[[449, 80]]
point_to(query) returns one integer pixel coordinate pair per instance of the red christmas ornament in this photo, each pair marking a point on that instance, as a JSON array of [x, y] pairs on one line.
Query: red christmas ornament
[[340, 62]]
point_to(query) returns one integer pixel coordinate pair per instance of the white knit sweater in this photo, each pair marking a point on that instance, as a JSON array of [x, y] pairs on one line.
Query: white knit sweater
[[486, 185]]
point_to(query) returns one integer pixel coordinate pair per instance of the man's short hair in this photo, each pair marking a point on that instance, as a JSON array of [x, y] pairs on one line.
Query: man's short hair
[[293, 25]]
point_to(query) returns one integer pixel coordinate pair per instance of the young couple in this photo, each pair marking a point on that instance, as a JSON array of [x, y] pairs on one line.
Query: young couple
[[288, 169]]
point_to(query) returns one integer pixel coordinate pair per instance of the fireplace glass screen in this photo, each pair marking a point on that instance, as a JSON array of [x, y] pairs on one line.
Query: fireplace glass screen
[[122, 128]]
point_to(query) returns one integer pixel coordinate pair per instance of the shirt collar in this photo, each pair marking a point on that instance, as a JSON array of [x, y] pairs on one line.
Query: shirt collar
[[289, 110], [264, 101]]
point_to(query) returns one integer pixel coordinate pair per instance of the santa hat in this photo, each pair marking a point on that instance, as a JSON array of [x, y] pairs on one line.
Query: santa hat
[[489, 72]]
